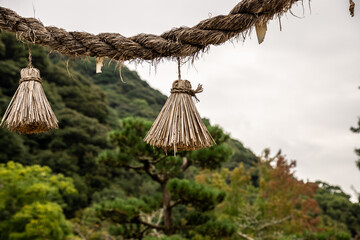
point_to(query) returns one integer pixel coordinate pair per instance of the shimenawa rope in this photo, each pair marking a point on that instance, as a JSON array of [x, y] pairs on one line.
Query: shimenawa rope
[[178, 42]]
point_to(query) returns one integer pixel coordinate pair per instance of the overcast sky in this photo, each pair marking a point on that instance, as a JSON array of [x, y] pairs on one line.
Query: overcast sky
[[297, 91]]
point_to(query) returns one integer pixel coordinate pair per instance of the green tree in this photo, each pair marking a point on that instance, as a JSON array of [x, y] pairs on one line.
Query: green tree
[[31, 202], [177, 205], [338, 210], [39, 221]]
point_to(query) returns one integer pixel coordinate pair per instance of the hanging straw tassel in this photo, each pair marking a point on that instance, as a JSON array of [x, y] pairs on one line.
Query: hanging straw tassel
[[29, 110], [179, 125]]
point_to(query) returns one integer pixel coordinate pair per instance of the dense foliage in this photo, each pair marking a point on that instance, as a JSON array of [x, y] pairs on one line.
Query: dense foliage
[[277, 205], [31, 202], [95, 178]]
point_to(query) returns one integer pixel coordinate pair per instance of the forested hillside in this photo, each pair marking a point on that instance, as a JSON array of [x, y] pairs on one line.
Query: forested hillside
[[86, 112], [95, 178]]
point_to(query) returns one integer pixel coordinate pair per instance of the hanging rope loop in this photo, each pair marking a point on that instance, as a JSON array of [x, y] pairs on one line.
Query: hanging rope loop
[[30, 57]]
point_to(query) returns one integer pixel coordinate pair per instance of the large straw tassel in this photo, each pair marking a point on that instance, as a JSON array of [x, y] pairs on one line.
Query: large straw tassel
[[29, 110], [179, 125]]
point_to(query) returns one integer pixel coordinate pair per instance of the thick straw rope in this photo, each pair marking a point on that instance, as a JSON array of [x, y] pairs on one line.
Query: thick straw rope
[[178, 42]]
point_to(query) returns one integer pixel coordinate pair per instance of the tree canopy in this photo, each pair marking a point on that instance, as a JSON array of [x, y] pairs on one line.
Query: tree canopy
[[32, 200]]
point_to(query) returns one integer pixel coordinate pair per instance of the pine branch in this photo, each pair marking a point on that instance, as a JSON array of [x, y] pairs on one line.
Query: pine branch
[[155, 176], [151, 225], [132, 167], [142, 233], [245, 236], [174, 204], [158, 160], [135, 219], [147, 166]]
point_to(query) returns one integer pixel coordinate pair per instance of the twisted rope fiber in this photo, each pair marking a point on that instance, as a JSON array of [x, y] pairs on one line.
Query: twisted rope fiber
[[178, 42]]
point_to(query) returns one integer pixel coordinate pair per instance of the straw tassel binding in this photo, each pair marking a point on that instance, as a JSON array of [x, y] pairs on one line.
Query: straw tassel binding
[[29, 110]]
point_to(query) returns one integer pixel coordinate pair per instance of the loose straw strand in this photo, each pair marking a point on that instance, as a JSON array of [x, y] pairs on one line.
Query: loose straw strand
[[179, 67]]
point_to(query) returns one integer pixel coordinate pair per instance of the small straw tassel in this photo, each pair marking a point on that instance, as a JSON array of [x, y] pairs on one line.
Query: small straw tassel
[[179, 125], [29, 110]]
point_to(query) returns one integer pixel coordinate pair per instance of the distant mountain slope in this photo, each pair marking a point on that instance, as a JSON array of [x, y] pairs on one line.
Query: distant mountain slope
[[130, 97]]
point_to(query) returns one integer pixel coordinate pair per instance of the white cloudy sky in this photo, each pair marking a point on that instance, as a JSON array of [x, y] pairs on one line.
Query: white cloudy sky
[[298, 91]]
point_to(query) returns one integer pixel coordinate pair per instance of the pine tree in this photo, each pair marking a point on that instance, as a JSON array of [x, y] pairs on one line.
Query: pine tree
[[178, 204]]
